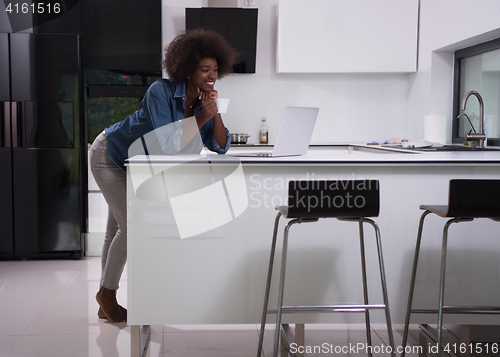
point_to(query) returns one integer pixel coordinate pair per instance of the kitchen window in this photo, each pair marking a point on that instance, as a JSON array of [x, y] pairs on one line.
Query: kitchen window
[[478, 68]]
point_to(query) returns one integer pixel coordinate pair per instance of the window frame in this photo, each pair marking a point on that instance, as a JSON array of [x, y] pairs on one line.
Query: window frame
[[459, 55]]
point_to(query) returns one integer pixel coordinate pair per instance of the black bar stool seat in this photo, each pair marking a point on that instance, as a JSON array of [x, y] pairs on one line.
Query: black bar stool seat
[[345, 200], [468, 199]]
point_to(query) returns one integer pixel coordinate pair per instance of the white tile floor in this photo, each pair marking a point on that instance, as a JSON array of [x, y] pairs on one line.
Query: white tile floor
[[48, 309]]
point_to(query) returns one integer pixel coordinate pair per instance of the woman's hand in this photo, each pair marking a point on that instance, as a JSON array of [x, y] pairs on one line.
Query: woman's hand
[[207, 95], [209, 111], [209, 107]]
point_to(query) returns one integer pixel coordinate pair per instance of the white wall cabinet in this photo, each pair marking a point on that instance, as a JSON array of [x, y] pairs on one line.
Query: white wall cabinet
[[354, 36]]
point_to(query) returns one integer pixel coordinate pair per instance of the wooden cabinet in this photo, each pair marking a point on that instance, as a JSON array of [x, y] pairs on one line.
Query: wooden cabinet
[[355, 36]]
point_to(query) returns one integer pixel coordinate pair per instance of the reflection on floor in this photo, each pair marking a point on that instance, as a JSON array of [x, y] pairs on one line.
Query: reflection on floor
[[48, 309]]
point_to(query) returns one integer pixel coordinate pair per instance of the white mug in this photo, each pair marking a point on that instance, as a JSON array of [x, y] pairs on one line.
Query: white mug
[[222, 104]]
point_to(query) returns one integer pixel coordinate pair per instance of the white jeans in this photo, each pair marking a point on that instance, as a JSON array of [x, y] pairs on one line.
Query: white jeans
[[112, 182]]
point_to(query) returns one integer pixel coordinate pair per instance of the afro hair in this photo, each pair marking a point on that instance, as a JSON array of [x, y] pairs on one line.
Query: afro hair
[[184, 53]]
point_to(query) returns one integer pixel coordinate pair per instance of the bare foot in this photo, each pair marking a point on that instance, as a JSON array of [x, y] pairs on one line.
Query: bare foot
[[102, 315], [109, 307]]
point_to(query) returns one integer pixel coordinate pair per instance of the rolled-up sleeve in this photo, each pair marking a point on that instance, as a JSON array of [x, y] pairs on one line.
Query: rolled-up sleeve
[[212, 144], [207, 135]]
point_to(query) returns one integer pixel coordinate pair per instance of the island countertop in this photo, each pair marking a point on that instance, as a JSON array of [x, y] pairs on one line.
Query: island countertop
[[341, 153]]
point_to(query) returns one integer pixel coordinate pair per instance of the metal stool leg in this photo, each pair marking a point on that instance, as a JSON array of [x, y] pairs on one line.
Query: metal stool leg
[[384, 285], [442, 278], [412, 281], [365, 286], [441, 285], [268, 284], [281, 288]]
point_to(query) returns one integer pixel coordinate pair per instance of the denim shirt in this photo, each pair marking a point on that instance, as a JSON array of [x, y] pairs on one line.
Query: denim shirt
[[163, 104]]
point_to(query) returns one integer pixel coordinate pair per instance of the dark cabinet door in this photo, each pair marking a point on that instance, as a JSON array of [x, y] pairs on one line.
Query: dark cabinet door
[[6, 216], [4, 67], [122, 35], [45, 145]]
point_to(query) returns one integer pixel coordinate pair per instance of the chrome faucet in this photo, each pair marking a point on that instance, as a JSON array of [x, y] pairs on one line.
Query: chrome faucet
[[479, 136]]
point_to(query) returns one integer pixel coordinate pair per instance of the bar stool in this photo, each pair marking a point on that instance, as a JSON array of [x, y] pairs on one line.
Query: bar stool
[[346, 200], [468, 199]]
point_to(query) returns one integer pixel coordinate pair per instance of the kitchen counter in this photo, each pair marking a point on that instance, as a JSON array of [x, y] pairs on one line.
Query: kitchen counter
[[342, 153], [218, 274]]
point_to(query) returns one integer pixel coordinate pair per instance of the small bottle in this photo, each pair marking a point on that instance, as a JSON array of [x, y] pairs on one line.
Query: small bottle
[[264, 132]]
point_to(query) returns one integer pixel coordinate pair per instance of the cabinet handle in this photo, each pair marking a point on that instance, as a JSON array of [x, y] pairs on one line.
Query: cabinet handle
[[15, 142], [6, 124]]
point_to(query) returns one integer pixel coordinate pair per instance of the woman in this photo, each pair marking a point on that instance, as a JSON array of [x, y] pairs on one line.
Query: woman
[[193, 61]]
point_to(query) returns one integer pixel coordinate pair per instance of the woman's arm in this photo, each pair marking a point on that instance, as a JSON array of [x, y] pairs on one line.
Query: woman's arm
[[209, 111], [220, 134]]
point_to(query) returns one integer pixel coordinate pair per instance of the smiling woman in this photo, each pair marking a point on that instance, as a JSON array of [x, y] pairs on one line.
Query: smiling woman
[[177, 110], [198, 58]]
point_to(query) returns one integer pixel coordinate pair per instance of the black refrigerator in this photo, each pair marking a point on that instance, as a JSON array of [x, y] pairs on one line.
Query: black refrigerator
[[40, 159]]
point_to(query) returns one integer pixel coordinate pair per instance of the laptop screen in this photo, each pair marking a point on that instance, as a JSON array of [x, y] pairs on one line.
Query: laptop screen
[[295, 131]]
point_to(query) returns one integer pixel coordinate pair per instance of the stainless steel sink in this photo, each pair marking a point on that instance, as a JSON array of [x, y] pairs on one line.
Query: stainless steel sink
[[453, 148]]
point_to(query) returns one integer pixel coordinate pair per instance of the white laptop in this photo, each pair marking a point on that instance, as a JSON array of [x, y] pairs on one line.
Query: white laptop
[[294, 133]]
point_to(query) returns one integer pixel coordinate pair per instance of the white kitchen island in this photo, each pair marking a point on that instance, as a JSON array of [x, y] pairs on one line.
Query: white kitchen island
[[183, 270]]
